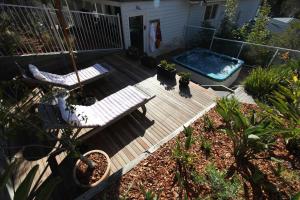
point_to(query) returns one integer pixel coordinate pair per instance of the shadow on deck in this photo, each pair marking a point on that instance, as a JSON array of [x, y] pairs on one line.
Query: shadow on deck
[[128, 139]]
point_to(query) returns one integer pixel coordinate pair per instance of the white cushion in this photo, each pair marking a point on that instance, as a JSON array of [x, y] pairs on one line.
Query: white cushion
[[36, 73], [72, 114], [54, 78]]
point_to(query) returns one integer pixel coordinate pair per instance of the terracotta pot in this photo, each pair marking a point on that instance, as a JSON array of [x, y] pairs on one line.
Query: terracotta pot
[[105, 175]]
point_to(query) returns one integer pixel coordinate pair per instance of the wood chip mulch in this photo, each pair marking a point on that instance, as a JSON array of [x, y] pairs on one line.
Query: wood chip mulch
[[88, 177], [156, 173]]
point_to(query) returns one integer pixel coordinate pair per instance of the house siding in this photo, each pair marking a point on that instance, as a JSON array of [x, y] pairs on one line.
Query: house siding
[[173, 16]]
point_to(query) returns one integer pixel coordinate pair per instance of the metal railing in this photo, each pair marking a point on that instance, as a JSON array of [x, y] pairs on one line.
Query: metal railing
[[197, 36], [31, 30]]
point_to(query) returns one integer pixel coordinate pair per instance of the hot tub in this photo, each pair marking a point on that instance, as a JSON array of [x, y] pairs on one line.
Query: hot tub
[[208, 67]]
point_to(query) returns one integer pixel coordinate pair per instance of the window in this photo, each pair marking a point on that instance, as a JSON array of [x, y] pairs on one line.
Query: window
[[211, 12]]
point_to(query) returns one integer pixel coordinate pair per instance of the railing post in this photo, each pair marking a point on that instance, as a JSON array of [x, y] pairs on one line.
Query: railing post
[[241, 49], [56, 34], [120, 30], [212, 41], [272, 59]]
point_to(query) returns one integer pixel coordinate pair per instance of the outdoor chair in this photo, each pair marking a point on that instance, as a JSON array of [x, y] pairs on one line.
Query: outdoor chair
[[67, 81], [97, 116]]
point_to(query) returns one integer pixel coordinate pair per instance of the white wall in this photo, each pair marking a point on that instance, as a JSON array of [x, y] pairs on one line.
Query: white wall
[[173, 15]]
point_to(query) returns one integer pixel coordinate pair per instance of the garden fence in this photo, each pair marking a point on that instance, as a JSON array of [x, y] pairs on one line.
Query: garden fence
[[27, 30], [253, 54]]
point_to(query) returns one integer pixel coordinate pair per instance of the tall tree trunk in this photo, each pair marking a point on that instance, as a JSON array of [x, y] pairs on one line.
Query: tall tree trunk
[[66, 33]]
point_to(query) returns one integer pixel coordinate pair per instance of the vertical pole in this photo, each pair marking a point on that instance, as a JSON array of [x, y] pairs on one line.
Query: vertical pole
[[272, 59], [56, 34], [120, 31], [241, 49], [212, 41]]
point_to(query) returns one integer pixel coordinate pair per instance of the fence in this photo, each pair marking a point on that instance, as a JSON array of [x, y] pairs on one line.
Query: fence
[[27, 30], [253, 54]]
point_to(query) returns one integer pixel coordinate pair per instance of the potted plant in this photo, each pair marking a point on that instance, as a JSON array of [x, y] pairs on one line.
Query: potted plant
[[133, 53], [148, 61], [185, 78], [166, 69], [92, 168]]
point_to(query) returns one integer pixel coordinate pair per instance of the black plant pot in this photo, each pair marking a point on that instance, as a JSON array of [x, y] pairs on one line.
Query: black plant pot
[[184, 83], [165, 73]]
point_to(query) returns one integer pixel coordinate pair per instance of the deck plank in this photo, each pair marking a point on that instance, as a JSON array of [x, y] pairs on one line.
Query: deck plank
[[133, 135]]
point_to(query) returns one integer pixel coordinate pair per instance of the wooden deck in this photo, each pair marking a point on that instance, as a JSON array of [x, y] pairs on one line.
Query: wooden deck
[[133, 135]]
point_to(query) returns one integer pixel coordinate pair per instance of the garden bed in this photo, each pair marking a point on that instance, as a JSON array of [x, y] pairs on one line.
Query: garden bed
[[278, 174]]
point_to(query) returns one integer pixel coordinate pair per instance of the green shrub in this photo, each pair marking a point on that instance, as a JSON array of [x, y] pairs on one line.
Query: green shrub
[[225, 106], [206, 146], [185, 76], [249, 134], [221, 187], [262, 82], [208, 124], [167, 66]]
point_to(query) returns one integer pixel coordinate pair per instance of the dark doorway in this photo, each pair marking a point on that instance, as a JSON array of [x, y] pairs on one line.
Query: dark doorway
[[136, 26]]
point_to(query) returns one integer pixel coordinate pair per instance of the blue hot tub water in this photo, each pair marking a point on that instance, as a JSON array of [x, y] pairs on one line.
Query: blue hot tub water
[[210, 64]]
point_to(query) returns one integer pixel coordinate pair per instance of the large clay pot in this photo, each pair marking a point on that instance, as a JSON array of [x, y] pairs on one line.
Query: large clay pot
[[105, 175]]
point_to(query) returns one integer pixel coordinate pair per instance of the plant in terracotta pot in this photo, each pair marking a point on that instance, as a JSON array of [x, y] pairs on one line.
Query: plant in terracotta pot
[[91, 168], [166, 69], [185, 78], [148, 61]]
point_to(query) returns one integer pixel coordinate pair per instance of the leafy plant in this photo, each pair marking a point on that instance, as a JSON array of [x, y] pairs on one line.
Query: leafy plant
[[221, 187], [229, 21], [24, 191], [225, 106], [206, 146], [249, 134], [185, 76], [167, 66], [208, 124], [185, 171], [262, 82], [149, 194]]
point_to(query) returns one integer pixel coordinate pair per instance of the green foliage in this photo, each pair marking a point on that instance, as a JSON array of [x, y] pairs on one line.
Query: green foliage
[[296, 196], [24, 191], [185, 76], [250, 134], [208, 124], [257, 33], [262, 81], [9, 38], [185, 171], [150, 195], [167, 66], [205, 146], [284, 110], [225, 106], [229, 21], [289, 38], [221, 187]]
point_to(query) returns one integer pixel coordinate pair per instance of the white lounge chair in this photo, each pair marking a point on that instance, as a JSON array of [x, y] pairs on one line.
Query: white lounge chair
[[99, 115], [69, 81]]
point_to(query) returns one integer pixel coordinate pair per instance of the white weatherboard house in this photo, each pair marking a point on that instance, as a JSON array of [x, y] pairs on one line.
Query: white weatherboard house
[[138, 19]]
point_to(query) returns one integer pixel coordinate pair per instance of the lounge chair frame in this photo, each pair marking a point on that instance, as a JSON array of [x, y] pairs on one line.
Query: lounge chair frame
[[27, 77], [53, 120]]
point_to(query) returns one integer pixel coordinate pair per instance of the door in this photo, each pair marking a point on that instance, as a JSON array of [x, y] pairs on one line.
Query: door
[[136, 27]]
